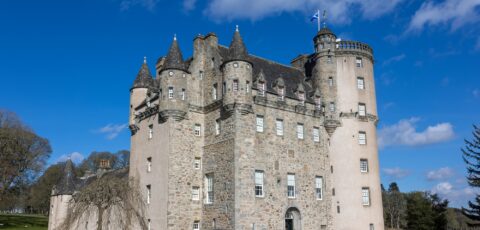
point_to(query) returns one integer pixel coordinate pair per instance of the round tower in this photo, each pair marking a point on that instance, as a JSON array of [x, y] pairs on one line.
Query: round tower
[[139, 89], [237, 77], [173, 84], [344, 74], [61, 196]]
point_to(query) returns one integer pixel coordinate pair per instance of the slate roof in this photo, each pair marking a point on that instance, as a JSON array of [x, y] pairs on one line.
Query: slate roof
[[272, 71], [144, 78], [174, 59], [237, 49], [67, 184]]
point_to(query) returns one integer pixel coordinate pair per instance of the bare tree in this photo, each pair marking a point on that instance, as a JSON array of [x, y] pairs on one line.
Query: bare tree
[[23, 154], [111, 197], [395, 206]]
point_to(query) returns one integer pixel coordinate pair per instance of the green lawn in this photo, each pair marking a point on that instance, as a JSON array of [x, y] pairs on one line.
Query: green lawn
[[28, 222]]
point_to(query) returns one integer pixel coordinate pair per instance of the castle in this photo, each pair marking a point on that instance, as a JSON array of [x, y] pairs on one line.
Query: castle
[[229, 140]]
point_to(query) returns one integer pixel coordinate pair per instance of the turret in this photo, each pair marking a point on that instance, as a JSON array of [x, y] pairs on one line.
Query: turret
[[237, 77], [61, 195], [173, 84], [138, 92]]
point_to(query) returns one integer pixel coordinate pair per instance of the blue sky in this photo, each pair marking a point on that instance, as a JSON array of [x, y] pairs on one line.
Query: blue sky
[[66, 68]]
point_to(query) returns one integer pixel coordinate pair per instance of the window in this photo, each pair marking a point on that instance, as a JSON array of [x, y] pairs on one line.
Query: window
[[365, 196], [261, 89], [247, 87], [281, 93], [279, 127], [359, 62], [329, 59], [300, 131], [372, 227], [197, 130], [150, 132], [183, 94], [301, 97], [319, 187], [332, 107], [360, 83], [363, 165], [361, 109], [330, 81], [258, 183], [196, 225], [217, 127], [197, 163], [149, 193], [201, 75], [259, 123], [149, 164], [318, 103], [291, 185], [235, 85], [170, 92], [224, 88], [149, 225], [214, 91], [209, 186], [235, 65], [316, 134], [362, 138], [195, 193]]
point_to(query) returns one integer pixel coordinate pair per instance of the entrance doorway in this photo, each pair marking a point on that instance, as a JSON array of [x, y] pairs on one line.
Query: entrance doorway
[[293, 219]]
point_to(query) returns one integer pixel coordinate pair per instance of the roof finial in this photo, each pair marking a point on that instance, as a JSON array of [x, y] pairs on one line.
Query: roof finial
[[174, 37], [324, 19], [236, 28], [144, 59]]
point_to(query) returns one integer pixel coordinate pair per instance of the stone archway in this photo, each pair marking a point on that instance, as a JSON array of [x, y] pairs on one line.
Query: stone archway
[[293, 219]]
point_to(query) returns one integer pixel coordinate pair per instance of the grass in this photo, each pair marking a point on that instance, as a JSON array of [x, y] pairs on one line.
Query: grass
[[26, 222]]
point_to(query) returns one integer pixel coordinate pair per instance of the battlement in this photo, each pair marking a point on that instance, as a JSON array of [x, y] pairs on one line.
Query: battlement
[[354, 46]]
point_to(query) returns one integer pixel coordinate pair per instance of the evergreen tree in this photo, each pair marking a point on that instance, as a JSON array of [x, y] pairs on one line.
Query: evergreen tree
[[471, 156]]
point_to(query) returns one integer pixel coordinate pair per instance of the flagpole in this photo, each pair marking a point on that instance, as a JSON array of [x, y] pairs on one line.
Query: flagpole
[[318, 20]]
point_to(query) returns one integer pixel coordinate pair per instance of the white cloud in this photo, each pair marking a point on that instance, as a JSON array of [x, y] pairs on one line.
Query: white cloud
[[76, 157], [440, 174], [405, 133], [394, 59], [458, 194], [339, 11], [189, 5], [147, 4], [396, 173], [112, 130], [476, 93], [453, 13]]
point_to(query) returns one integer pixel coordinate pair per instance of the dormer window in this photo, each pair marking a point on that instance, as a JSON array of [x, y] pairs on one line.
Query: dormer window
[[318, 103], [261, 88], [281, 93], [301, 97]]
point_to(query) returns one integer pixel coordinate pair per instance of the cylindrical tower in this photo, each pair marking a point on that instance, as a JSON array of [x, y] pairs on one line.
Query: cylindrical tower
[[139, 90], [237, 77], [345, 76], [173, 85]]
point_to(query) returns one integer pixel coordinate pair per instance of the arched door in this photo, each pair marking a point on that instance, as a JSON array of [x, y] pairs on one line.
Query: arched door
[[293, 219]]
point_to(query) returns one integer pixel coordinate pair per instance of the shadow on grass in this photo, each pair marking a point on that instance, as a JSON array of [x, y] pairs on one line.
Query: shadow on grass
[[29, 222]]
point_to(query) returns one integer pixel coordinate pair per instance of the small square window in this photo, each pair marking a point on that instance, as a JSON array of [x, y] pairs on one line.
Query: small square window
[[197, 163], [279, 127], [359, 62], [195, 193], [360, 83], [259, 121], [316, 134], [300, 131], [197, 130], [363, 165], [362, 138], [365, 196], [362, 109]]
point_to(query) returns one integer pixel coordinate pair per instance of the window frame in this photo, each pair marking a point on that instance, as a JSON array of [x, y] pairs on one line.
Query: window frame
[[291, 193], [361, 112], [149, 164], [149, 193], [300, 131], [170, 92], [197, 163], [360, 83], [197, 130], [319, 187], [215, 91], [259, 183], [209, 188], [260, 123], [279, 126], [365, 196], [364, 165], [316, 134], [362, 138], [195, 193]]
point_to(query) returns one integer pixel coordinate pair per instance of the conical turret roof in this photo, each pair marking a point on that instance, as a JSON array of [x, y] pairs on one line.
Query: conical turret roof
[[66, 185], [144, 77], [174, 59], [237, 49]]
